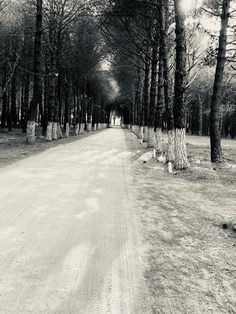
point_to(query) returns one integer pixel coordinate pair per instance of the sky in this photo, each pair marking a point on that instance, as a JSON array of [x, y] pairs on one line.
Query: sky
[[188, 5], [114, 87]]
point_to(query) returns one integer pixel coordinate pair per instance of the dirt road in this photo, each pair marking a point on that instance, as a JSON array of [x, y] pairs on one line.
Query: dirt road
[[68, 235]]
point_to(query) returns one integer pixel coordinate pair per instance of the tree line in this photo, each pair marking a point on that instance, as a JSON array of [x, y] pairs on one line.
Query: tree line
[[50, 63], [172, 71], [178, 72]]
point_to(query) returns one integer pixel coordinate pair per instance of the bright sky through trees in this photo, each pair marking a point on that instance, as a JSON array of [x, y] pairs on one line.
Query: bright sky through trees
[[114, 87], [188, 5]]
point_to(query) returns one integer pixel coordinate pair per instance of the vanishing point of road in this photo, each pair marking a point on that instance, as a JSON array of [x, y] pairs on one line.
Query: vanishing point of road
[[69, 241]]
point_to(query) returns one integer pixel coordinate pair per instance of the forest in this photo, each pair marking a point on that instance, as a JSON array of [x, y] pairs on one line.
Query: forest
[[164, 66], [117, 156]]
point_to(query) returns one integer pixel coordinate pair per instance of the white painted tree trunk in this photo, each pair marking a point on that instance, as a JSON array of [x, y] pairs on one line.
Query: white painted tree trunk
[[68, 129], [145, 134], [181, 160], [81, 128], [89, 127], [49, 132], [158, 145], [170, 156], [170, 167], [140, 133], [30, 135], [77, 129], [95, 127], [59, 131], [151, 138], [54, 131]]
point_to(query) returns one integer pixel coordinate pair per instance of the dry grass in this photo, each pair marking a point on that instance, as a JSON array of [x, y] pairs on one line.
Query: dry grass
[[202, 169], [13, 147], [190, 259]]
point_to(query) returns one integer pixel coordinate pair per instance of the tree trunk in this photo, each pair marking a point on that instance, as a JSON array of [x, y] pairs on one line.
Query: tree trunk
[[138, 101], [200, 117], [161, 86], [89, 109], [4, 99], [51, 107], [215, 125], [37, 86], [51, 127], [67, 111], [13, 102], [160, 106], [153, 94], [58, 97], [9, 114], [77, 113], [25, 102], [181, 161], [146, 92], [167, 85], [4, 111], [45, 101], [51, 133]]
